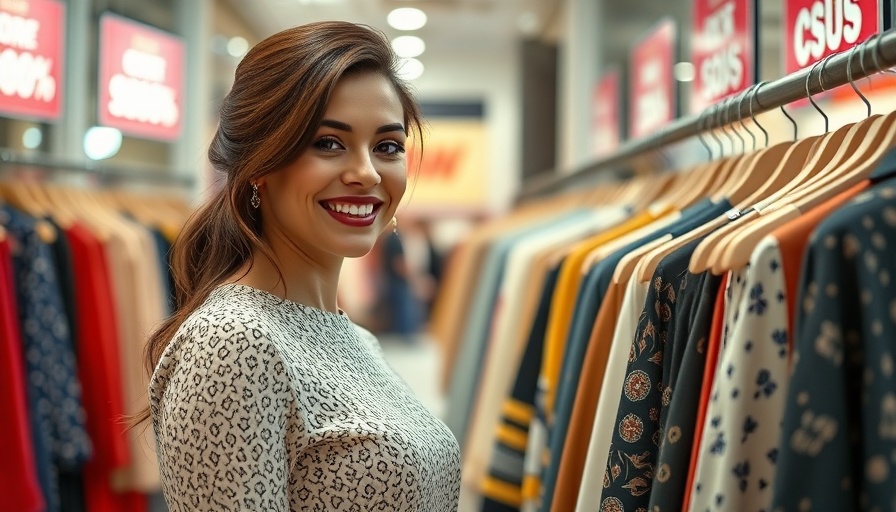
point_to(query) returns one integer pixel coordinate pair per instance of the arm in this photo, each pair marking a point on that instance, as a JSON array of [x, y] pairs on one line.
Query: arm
[[221, 402]]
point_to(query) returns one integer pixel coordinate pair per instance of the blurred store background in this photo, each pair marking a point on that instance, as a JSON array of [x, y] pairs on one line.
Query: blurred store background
[[107, 107]]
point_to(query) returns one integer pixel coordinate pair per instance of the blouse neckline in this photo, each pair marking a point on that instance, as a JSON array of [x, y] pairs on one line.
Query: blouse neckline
[[279, 301]]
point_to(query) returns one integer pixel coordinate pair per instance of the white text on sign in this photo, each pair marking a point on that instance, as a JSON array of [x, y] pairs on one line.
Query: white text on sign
[[140, 93], [653, 104], [24, 74], [723, 70], [825, 26]]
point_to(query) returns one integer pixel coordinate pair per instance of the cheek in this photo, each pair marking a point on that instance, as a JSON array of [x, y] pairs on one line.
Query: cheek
[[395, 180]]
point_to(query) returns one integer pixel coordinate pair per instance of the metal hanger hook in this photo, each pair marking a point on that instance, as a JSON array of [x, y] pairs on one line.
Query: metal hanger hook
[[714, 111], [700, 137], [740, 107], [726, 117], [735, 104], [809, 94], [753, 117], [852, 82]]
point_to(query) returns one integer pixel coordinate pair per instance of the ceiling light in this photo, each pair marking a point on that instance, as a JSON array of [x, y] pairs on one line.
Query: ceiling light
[[237, 46], [410, 69], [684, 72], [408, 46], [406, 18]]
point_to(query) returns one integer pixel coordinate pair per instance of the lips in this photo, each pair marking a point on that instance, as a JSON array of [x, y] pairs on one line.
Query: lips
[[354, 211]]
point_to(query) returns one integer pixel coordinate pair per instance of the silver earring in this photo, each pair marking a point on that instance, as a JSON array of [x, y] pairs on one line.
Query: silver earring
[[394, 225], [255, 201]]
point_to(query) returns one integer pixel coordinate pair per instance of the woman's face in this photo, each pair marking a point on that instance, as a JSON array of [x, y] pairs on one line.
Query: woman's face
[[341, 193]]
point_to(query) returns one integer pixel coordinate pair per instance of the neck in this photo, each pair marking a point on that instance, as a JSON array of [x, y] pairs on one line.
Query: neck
[[303, 278]]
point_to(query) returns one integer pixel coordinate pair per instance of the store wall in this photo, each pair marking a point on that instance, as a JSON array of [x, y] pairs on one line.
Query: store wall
[[491, 77]]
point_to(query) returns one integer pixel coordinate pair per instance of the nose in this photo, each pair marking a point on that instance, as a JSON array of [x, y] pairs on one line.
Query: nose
[[361, 172]]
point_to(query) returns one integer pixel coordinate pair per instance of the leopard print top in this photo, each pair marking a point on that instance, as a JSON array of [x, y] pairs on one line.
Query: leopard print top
[[264, 404]]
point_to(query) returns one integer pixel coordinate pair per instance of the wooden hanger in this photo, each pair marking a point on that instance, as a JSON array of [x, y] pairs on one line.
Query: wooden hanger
[[877, 142]]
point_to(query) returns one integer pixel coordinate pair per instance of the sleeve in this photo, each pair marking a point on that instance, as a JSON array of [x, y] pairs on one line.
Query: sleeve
[[222, 406]]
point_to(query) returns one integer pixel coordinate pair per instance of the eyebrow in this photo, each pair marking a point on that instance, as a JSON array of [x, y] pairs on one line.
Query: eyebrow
[[339, 125]]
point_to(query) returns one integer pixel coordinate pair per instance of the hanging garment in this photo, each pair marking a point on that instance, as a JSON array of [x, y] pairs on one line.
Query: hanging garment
[[592, 294], [709, 373], [686, 371], [503, 488], [839, 429], [467, 370], [656, 352], [742, 426], [100, 374], [54, 390], [504, 348], [18, 471]]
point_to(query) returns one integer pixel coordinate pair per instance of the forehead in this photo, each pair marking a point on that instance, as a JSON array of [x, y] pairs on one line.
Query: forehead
[[364, 94]]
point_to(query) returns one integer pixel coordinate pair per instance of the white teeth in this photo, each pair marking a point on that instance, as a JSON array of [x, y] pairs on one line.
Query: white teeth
[[352, 209]]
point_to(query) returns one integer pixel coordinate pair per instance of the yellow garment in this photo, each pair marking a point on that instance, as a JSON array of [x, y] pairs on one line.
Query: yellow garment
[[565, 294]]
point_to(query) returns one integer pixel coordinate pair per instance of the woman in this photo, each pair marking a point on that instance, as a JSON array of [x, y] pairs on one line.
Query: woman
[[264, 395]]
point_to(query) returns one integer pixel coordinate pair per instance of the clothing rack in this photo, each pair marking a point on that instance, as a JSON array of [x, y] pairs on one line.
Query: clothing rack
[[878, 55], [105, 173]]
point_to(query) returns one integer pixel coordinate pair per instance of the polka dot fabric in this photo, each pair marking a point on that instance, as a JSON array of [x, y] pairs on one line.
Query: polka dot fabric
[[265, 404]]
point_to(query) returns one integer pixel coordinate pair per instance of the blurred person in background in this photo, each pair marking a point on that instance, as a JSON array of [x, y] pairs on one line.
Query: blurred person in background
[[264, 395]]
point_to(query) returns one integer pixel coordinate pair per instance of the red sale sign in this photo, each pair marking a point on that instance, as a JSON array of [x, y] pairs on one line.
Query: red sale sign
[[815, 29], [722, 50], [32, 35], [141, 79], [652, 99], [605, 114]]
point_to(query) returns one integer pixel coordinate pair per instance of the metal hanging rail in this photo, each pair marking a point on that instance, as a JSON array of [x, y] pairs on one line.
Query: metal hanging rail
[[105, 173], [879, 54]]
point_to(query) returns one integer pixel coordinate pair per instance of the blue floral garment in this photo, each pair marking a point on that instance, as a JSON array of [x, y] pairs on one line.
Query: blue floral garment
[[838, 448], [54, 392]]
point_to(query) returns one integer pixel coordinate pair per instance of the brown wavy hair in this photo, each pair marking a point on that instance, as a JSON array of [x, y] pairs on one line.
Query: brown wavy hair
[[280, 93]]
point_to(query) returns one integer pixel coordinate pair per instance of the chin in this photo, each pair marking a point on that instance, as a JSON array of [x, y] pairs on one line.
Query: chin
[[354, 250]]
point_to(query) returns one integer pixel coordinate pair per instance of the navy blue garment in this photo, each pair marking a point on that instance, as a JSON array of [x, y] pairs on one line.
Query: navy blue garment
[[54, 392], [658, 349], [591, 293], [71, 481], [839, 423], [684, 365], [164, 250]]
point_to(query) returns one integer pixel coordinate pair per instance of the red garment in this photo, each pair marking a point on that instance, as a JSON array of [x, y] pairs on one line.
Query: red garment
[[709, 372], [21, 490], [99, 371]]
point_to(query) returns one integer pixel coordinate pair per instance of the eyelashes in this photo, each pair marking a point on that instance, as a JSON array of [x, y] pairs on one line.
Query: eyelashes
[[388, 147]]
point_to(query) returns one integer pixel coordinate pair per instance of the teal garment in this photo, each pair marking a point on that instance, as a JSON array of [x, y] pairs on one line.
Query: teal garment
[[839, 432], [467, 369]]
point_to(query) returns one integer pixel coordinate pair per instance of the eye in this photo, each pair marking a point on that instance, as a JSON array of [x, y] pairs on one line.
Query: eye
[[328, 144], [389, 147]]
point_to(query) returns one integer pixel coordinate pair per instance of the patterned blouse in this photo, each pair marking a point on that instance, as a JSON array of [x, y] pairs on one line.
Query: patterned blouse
[[259, 403]]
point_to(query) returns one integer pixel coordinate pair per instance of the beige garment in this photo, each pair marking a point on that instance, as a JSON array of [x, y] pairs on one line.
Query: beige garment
[[136, 285]]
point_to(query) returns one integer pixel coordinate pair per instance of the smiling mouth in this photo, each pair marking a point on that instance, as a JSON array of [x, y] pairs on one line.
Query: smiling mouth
[[355, 210], [353, 214]]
